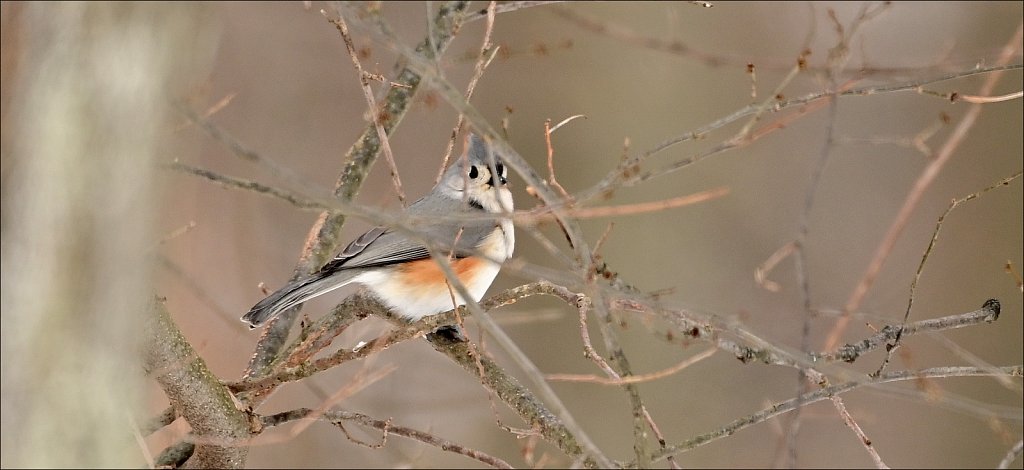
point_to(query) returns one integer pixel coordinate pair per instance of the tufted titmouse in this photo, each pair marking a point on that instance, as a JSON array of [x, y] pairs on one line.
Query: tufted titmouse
[[399, 269]]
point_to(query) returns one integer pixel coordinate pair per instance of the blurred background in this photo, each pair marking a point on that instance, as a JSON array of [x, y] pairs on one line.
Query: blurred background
[[293, 97]]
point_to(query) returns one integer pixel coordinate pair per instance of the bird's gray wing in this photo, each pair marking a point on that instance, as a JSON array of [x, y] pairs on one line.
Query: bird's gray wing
[[466, 234], [382, 246]]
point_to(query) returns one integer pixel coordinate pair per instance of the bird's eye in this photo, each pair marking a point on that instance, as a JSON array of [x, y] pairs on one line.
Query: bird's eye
[[501, 170], [473, 172]]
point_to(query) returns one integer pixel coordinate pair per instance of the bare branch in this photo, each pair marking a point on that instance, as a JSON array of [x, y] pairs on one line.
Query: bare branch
[[852, 424], [375, 117], [230, 181], [986, 314], [487, 54], [339, 416], [826, 393], [635, 378]]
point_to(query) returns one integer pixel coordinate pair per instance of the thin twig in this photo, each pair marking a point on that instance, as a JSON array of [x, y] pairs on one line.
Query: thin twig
[[738, 141], [548, 130], [852, 424], [566, 121], [371, 102], [604, 236], [1012, 455], [178, 232], [628, 36], [661, 438], [761, 272], [534, 216], [583, 305], [752, 72], [633, 379], [360, 381], [482, 61], [773, 98], [340, 416], [230, 181], [507, 7], [603, 186], [240, 150], [826, 393], [976, 361], [976, 99], [838, 57], [918, 142], [214, 109], [991, 99], [619, 360]]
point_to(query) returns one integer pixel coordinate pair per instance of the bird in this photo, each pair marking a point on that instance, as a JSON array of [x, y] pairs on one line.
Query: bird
[[398, 268]]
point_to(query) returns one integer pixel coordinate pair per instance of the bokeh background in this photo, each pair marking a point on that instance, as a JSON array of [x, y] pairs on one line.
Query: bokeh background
[[295, 98]]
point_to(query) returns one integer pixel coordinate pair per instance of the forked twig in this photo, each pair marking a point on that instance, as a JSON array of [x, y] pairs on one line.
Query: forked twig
[[364, 81]]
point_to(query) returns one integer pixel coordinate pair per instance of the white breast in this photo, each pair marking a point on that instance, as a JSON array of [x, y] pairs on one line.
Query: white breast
[[415, 302]]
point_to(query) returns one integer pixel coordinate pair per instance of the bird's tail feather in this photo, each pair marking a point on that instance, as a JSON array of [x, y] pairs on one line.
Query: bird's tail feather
[[294, 293]]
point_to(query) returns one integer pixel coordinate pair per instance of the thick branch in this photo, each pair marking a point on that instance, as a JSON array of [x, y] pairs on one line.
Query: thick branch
[[219, 428]]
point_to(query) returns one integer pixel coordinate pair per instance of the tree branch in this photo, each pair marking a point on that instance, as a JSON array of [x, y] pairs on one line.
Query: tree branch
[[338, 417], [220, 429], [825, 393]]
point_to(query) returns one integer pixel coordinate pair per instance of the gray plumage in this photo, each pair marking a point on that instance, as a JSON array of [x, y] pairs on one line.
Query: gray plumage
[[382, 247]]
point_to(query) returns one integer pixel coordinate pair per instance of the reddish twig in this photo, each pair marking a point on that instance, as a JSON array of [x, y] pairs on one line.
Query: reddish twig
[[632, 379]]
